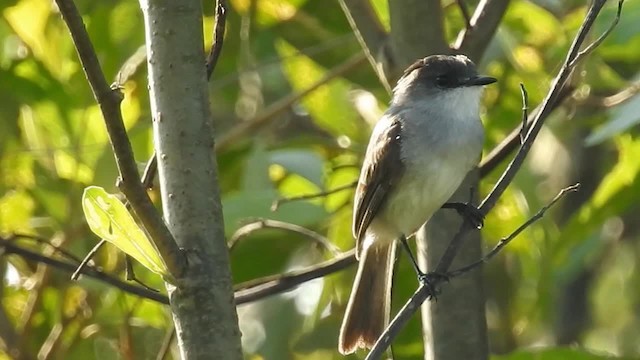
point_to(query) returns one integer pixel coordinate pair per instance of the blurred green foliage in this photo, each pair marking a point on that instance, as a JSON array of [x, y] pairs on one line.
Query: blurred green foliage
[[569, 280]]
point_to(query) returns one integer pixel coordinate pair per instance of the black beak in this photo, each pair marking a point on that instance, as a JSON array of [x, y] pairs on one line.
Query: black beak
[[480, 80]]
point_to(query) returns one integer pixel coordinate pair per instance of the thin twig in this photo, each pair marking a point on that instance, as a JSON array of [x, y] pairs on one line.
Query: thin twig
[[276, 203], [218, 37], [165, 348], [582, 54], [474, 39], [556, 86], [260, 224], [150, 172], [260, 288], [245, 292], [87, 258], [489, 202], [132, 65], [45, 242], [109, 100], [130, 275], [370, 32], [90, 271], [525, 113], [512, 141], [506, 240], [464, 10], [615, 99]]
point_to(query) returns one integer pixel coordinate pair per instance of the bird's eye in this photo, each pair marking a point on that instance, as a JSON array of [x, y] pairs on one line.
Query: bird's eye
[[442, 81]]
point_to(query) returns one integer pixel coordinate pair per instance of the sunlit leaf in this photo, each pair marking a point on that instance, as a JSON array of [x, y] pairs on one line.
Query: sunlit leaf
[[302, 162], [109, 219], [623, 117], [328, 105]]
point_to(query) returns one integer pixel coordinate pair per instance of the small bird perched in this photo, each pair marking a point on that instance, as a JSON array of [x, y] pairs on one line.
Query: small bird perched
[[418, 154]]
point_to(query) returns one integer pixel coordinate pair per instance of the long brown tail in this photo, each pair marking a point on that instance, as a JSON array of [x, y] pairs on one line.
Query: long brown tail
[[369, 305]]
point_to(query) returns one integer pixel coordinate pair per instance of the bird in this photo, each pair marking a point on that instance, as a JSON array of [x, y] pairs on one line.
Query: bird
[[419, 152]]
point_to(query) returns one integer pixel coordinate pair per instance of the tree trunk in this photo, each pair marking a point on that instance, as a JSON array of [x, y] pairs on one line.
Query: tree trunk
[[202, 302], [454, 327]]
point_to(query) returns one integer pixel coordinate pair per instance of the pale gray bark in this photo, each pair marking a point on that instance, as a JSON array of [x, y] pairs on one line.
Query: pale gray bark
[[454, 327], [202, 301]]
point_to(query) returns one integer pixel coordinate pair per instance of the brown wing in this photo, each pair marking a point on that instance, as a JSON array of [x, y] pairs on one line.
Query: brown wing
[[381, 170]]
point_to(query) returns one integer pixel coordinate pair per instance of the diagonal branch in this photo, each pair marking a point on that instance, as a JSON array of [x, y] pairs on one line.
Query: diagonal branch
[[218, 37], [257, 289], [276, 203], [245, 292], [512, 141], [365, 23], [369, 31], [474, 39], [260, 224], [11, 248], [109, 100], [506, 240]]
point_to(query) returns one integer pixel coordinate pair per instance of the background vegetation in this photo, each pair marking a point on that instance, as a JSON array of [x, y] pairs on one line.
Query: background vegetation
[[569, 280]]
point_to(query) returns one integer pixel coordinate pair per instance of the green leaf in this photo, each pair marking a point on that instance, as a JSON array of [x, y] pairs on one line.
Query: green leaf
[[623, 117], [329, 105], [307, 164], [108, 218]]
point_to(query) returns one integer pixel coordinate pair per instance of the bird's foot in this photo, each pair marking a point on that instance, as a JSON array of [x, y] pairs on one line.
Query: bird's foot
[[468, 211], [431, 281]]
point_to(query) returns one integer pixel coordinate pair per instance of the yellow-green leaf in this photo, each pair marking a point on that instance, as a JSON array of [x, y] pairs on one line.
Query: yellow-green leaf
[[109, 218]]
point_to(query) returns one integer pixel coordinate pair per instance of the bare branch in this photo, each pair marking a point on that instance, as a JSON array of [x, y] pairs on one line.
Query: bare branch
[[506, 240], [582, 54], [276, 204], [218, 37], [369, 31], [464, 10], [87, 258], [615, 99], [417, 30], [109, 100], [524, 129], [260, 224], [150, 172], [245, 292], [365, 23], [46, 242], [257, 289], [511, 141], [165, 348], [473, 40], [11, 248], [556, 87]]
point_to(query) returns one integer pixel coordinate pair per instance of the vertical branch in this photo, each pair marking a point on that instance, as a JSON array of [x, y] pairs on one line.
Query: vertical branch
[[417, 30], [202, 301], [474, 39]]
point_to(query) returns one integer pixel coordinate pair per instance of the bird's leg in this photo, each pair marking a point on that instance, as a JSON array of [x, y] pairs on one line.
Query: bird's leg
[[405, 245], [427, 279], [468, 211]]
